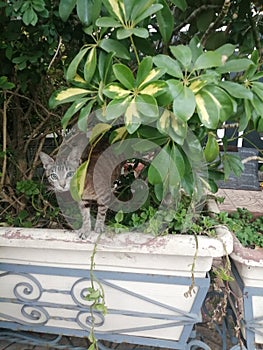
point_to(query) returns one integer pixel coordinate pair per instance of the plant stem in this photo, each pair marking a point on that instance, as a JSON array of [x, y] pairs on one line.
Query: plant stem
[[4, 141], [135, 50]]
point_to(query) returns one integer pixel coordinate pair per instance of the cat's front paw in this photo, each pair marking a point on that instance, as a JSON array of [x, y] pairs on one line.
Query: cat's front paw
[[99, 227], [85, 234]]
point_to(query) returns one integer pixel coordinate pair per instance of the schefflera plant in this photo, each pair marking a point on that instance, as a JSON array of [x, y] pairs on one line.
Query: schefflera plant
[[177, 99]]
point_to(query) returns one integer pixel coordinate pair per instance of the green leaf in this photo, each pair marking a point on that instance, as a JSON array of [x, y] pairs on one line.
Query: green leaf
[[257, 76], [116, 108], [257, 88], [84, 11], [38, 5], [140, 32], [164, 169], [194, 151], [65, 8], [181, 4], [118, 134], [171, 125], [66, 95], [147, 105], [184, 103], [144, 70], [232, 163], [165, 21], [207, 109], [237, 65], [175, 87], [154, 75], [155, 88], [132, 117], [225, 104], [138, 7], [236, 90], [226, 50], [260, 125], [90, 65], [257, 104], [128, 6], [100, 308], [147, 13], [93, 295], [115, 9], [84, 115], [124, 75], [88, 11], [171, 66], [30, 17], [183, 54], [73, 67], [5, 84], [78, 181], [105, 66], [108, 22], [119, 216], [208, 59], [99, 129], [126, 33], [196, 48], [112, 45], [178, 159], [115, 90], [245, 116], [73, 109]]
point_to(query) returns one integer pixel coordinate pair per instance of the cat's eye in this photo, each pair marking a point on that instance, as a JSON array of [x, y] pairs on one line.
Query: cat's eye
[[53, 176], [70, 174]]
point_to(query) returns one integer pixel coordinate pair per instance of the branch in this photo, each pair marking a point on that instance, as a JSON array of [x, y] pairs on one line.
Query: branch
[[29, 99], [256, 35], [248, 159], [193, 16], [36, 158], [6, 103], [214, 24], [55, 54]]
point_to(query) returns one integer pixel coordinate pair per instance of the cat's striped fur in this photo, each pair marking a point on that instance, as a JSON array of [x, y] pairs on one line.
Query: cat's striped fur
[[97, 187]]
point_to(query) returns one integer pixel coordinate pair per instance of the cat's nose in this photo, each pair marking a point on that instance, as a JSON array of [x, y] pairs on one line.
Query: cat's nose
[[62, 184]]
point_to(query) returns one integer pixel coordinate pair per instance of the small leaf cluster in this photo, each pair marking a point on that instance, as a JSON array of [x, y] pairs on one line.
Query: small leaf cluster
[[41, 210], [30, 10], [28, 187], [180, 219], [247, 228]]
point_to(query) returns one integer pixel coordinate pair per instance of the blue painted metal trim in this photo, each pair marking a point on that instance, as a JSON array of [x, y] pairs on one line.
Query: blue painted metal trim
[[250, 322], [108, 277]]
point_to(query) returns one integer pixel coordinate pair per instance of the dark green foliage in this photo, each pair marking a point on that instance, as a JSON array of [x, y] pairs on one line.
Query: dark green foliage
[[247, 228]]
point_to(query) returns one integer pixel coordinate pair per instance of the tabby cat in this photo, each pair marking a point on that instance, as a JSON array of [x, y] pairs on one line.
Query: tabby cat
[[98, 188]]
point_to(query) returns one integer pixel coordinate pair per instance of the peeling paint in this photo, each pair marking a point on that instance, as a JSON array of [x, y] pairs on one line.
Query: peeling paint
[[16, 234]]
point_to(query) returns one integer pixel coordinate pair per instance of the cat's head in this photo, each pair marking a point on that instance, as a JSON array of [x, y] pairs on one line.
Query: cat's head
[[59, 173]]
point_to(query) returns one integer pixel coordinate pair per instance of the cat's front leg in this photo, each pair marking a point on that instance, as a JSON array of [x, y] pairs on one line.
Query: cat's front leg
[[85, 231], [100, 219]]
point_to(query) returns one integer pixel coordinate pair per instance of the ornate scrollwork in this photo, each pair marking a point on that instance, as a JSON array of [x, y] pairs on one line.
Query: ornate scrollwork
[[86, 320], [79, 291], [28, 288], [28, 315], [34, 314]]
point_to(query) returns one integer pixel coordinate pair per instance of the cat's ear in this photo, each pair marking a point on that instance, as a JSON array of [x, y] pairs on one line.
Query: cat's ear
[[46, 160]]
